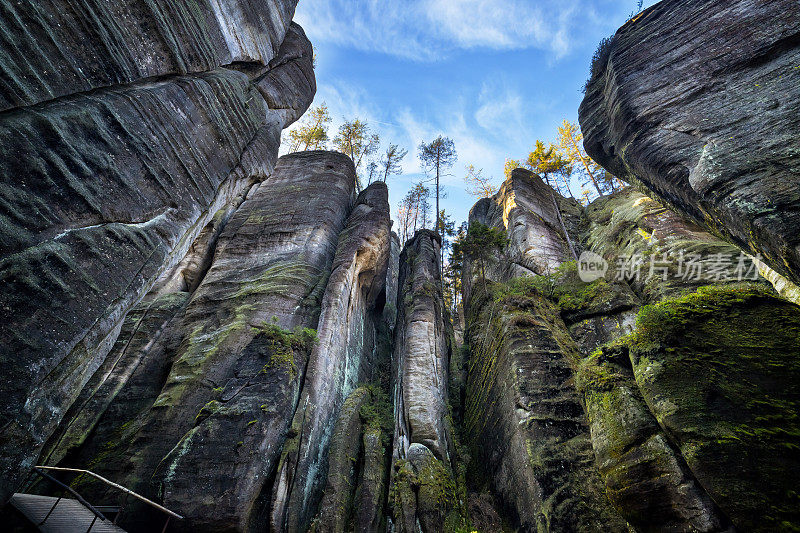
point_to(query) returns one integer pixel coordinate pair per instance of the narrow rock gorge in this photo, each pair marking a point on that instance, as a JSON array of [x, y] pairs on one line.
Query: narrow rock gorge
[[242, 338]]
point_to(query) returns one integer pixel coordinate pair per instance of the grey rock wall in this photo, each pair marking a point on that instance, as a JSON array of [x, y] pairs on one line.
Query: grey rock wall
[[696, 101], [123, 134]]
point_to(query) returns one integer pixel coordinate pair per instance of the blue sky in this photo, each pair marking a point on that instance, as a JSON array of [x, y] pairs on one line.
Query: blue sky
[[493, 75]]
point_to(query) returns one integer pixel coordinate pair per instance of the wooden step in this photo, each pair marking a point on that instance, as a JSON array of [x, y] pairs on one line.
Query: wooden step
[[69, 516]]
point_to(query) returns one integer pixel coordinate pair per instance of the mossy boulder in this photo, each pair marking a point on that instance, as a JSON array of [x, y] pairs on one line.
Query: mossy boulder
[[646, 478], [720, 371]]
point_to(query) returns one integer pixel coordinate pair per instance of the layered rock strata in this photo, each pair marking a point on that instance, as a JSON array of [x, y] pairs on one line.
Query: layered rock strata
[[345, 355], [423, 489], [697, 102], [113, 161], [199, 394], [522, 412], [616, 435]]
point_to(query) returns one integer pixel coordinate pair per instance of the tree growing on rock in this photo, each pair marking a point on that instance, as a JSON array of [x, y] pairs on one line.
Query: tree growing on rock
[[413, 210], [551, 165], [390, 162], [356, 140], [454, 269], [312, 134], [478, 185], [437, 156], [570, 147], [511, 165], [482, 244], [447, 229]]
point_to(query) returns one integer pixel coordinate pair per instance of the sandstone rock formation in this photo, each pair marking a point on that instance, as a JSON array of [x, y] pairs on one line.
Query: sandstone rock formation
[[345, 355], [423, 490], [523, 413], [242, 338], [697, 102], [584, 439], [125, 129], [234, 389]]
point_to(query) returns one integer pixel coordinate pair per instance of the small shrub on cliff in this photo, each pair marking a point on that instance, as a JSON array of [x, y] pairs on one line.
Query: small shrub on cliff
[[599, 60]]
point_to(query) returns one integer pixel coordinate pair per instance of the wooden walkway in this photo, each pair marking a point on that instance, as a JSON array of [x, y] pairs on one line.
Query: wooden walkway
[[70, 516]]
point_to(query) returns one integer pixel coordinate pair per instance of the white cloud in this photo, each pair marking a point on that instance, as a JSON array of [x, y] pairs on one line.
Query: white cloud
[[427, 30], [500, 109]]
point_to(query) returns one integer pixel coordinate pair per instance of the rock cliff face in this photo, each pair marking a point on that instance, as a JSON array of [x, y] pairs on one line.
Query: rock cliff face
[[523, 413], [345, 355], [242, 338], [245, 359], [697, 102], [125, 129], [582, 399], [423, 491]]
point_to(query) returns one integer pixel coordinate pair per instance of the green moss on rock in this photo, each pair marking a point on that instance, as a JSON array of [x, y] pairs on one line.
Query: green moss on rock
[[719, 369]]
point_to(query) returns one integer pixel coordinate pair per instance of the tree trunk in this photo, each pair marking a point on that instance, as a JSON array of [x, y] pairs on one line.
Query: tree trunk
[[561, 219], [585, 165]]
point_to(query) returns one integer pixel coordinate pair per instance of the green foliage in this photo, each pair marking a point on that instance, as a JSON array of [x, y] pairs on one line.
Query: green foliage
[[356, 140], [312, 134], [481, 245], [283, 344], [437, 156], [563, 288], [656, 322], [378, 412], [599, 60]]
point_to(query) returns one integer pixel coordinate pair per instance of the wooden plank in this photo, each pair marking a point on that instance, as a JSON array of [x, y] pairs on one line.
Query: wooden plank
[[69, 516]]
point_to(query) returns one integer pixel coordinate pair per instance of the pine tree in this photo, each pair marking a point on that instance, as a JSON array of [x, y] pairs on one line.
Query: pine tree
[[437, 156]]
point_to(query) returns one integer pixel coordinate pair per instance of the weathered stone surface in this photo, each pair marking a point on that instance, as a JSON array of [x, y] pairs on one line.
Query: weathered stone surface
[[219, 422], [342, 474], [140, 339], [737, 427], [423, 490], [344, 356], [370, 505], [655, 251], [55, 48], [103, 192], [422, 352], [290, 77], [646, 478], [525, 207], [525, 419], [697, 101]]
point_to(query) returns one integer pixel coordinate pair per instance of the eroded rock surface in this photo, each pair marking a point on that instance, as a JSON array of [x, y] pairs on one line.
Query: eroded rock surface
[[137, 138], [57, 48], [523, 415], [697, 101], [344, 356], [423, 490], [629, 429]]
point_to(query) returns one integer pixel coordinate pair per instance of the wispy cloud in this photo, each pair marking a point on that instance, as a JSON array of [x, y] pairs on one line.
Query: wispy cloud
[[426, 30]]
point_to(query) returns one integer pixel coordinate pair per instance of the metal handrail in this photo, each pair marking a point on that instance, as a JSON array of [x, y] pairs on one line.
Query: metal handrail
[[113, 485], [69, 489]]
